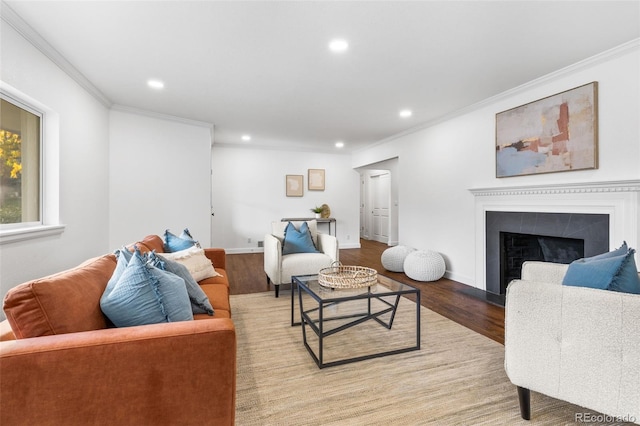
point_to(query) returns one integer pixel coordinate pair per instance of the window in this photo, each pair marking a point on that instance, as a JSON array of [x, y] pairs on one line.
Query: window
[[20, 147], [29, 167]]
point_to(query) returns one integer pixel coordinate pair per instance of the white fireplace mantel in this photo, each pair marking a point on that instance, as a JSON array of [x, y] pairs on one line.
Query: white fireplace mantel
[[619, 199], [587, 187]]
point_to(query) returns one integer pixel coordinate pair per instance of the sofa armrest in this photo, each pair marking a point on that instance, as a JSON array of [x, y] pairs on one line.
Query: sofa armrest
[[272, 257], [577, 344], [328, 244], [217, 256], [546, 272], [175, 373]]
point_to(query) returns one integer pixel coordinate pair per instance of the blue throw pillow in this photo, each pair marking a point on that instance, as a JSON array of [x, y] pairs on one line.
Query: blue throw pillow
[[627, 280], [615, 270], [123, 257], [593, 273], [200, 303], [142, 295], [173, 243], [298, 241], [621, 251], [173, 295]]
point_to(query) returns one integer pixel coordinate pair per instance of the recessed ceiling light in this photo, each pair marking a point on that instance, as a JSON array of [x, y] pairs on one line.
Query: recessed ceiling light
[[338, 45], [155, 84], [339, 144], [405, 113], [246, 138]]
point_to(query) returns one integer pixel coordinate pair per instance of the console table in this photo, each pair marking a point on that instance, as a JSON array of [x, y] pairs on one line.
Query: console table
[[327, 220]]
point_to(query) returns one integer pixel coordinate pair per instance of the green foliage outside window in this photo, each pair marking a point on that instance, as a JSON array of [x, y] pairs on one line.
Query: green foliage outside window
[[10, 177]]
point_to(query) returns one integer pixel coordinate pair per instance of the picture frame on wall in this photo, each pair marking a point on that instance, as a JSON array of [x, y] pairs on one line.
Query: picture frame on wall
[[294, 185], [315, 179], [554, 134]]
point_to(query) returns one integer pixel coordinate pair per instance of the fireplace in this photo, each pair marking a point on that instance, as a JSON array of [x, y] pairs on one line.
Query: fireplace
[[602, 213], [515, 237], [516, 248]]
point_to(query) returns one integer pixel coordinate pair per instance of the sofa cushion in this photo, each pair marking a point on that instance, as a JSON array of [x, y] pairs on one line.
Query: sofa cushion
[[65, 302], [145, 294], [218, 294], [221, 278], [199, 301], [298, 240], [193, 258], [148, 243], [174, 243]]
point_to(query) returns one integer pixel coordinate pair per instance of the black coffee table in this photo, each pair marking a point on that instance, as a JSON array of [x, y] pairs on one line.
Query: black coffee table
[[378, 303]]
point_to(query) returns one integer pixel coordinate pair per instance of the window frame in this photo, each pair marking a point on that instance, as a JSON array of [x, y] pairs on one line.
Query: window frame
[[49, 196], [22, 105]]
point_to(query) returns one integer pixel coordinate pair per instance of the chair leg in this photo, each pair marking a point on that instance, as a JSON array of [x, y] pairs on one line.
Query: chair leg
[[277, 289], [524, 397]]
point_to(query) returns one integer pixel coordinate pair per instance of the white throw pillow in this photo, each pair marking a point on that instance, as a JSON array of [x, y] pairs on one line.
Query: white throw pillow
[[195, 261]]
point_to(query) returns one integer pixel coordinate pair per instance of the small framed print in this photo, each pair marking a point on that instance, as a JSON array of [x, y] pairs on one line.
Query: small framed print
[[316, 180], [294, 185]]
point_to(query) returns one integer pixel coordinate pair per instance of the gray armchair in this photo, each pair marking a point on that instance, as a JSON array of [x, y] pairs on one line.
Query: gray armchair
[[577, 344], [280, 268]]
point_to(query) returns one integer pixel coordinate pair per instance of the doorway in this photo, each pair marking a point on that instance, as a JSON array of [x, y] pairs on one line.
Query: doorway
[[380, 206], [379, 202]]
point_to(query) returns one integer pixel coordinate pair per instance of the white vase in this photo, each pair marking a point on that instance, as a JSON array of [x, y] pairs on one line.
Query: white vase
[[318, 215]]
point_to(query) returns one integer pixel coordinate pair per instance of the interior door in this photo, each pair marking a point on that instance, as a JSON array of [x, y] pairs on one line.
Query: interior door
[[380, 191]]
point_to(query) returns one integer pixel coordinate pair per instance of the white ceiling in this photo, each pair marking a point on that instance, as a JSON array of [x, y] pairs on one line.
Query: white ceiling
[[263, 67]]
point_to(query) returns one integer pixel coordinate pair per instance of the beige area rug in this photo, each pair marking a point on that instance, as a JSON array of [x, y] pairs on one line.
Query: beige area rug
[[456, 378]]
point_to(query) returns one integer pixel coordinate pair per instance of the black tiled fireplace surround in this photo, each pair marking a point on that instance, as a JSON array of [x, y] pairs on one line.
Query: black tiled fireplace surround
[[592, 228]]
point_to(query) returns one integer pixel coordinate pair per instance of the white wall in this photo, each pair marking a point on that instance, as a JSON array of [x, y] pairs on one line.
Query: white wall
[[159, 177], [83, 176], [249, 193], [440, 163]]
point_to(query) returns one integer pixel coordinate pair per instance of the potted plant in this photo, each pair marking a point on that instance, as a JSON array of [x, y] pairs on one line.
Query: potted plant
[[318, 211]]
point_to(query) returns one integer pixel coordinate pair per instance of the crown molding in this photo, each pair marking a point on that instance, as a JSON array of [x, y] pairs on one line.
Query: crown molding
[[16, 22], [167, 117], [574, 188], [607, 55], [280, 148]]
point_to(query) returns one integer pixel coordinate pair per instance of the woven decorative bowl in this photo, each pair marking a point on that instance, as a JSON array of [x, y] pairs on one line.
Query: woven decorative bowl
[[338, 276]]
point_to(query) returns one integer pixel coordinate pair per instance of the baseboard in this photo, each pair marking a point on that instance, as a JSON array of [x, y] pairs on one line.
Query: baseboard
[[244, 250], [460, 278], [478, 293], [349, 246]]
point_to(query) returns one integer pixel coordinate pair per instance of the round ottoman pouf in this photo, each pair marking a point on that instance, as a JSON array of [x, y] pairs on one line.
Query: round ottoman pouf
[[424, 265], [393, 258]]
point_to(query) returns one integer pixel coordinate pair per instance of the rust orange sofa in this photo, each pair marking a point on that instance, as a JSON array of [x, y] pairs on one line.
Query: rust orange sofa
[[61, 363]]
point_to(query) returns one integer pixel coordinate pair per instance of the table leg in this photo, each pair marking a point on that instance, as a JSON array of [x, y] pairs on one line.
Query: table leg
[[293, 287]]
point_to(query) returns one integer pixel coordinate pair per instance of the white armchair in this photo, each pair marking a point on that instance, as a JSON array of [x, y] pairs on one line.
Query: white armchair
[[280, 268], [577, 344]]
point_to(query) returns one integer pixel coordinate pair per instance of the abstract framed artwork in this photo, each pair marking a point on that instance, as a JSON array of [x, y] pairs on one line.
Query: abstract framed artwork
[[315, 180], [555, 134], [294, 185]]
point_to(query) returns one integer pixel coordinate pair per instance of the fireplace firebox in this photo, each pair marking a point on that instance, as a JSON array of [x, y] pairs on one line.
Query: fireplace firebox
[[516, 248]]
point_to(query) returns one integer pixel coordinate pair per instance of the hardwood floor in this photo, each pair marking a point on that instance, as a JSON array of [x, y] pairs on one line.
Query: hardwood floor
[[446, 297]]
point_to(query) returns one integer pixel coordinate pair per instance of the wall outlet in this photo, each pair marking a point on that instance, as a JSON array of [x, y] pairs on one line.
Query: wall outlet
[[348, 237], [260, 243], [248, 240]]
